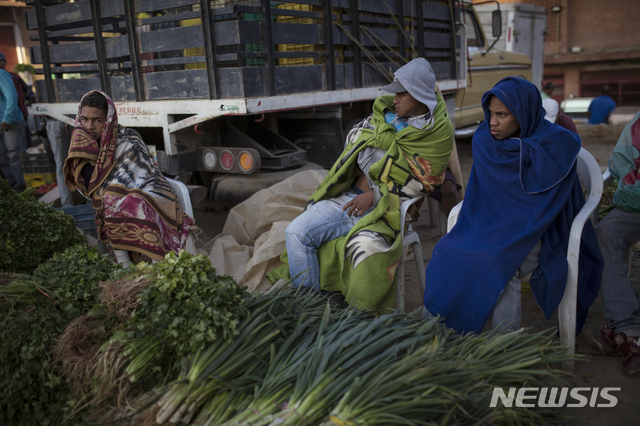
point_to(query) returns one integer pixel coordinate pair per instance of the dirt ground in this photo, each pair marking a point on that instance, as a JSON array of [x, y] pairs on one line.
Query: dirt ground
[[597, 370]]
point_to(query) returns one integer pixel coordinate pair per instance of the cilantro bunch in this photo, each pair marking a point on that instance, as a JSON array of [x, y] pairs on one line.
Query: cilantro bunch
[[185, 307], [31, 232]]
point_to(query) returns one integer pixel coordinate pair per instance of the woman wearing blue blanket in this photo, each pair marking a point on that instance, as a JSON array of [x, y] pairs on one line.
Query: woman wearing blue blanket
[[522, 196]]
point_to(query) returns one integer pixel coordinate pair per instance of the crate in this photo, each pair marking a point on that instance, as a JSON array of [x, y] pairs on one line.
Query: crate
[[255, 62], [36, 163], [193, 51], [85, 218], [305, 47], [295, 47], [34, 180]]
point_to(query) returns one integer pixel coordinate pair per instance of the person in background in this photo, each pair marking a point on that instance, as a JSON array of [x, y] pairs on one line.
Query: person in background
[[616, 233], [23, 91], [601, 107], [554, 115], [522, 197], [13, 140], [137, 211], [547, 90], [59, 139]]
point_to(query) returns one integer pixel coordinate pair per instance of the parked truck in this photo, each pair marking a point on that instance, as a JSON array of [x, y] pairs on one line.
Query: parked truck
[[243, 92], [523, 31]]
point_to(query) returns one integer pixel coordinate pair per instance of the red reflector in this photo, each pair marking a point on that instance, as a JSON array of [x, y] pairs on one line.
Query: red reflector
[[226, 160]]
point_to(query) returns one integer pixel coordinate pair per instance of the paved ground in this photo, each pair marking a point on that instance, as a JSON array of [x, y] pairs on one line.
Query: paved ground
[[596, 371]]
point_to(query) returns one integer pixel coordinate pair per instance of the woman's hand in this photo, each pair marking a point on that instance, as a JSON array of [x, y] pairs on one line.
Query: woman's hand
[[360, 204]]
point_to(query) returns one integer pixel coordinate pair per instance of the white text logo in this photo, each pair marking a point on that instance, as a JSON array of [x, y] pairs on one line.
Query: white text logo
[[555, 397]]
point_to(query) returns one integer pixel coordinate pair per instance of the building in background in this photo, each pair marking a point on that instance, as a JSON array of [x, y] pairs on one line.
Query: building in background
[[14, 36], [590, 43]]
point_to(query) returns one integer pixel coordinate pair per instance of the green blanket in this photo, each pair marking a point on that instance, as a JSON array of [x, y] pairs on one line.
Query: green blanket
[[362, 265]]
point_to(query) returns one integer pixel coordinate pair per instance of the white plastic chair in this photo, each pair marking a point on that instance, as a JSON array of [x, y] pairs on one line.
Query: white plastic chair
[[607, 180], [409, 238], [589, 174], [437, 218], [185, 204]]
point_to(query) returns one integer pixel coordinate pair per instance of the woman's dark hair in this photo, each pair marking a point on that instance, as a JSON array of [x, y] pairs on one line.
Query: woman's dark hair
[[95, 100]]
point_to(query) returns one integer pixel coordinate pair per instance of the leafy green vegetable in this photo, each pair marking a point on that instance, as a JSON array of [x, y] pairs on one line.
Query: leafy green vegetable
[[73, 277], [186, 307], [300, 361], [31, 391], [33, 313], [31, 232]]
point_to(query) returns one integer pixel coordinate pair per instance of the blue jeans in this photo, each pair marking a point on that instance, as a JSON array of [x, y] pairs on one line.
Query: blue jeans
[[620, 303], [321, 222], [13, 142]]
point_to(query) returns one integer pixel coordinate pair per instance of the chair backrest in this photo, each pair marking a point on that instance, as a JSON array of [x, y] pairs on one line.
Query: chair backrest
[[607, 179], [404, 208], [590, 174], [183, 196], [591, 177]]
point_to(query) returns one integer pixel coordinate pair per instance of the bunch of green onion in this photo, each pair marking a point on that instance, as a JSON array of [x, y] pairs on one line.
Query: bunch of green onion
[[299, 360]]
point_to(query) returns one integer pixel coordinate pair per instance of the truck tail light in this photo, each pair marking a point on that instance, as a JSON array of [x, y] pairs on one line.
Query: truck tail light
[[246, 161], [217, 159], [209, 159], [226, 160]]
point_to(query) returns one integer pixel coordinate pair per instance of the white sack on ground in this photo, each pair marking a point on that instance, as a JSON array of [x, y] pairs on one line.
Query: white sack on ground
[[253, 235]]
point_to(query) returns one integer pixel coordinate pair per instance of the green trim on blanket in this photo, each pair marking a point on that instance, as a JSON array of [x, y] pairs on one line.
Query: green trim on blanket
[[374, 245]]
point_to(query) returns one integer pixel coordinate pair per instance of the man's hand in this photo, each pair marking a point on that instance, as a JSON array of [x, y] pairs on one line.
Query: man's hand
[[360, 204], [5, 126]]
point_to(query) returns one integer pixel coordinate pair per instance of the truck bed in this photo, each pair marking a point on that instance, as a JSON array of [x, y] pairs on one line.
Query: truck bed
[[188, 50]]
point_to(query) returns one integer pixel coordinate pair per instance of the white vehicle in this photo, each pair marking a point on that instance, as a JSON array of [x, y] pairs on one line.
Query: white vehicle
[[523, 31], [576, 109]]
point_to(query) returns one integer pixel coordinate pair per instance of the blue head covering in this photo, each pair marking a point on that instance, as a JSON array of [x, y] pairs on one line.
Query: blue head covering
[[523, 101], [547, 151], [521, 190]]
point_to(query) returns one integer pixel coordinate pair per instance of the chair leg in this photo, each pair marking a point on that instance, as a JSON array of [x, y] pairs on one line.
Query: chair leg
[[417, 256], [400, 280], [434, 213], [567, 312], [443, 221], [190, 246]]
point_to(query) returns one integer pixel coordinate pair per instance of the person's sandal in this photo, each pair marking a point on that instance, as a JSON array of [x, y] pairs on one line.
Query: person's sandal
[[604, 340], [630, 351]]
